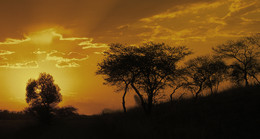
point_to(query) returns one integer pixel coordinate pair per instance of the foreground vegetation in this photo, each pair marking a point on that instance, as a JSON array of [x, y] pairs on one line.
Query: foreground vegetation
[[233, 113]]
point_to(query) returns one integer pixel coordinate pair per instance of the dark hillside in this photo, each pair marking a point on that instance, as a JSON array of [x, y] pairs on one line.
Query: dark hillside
[[234, 113]]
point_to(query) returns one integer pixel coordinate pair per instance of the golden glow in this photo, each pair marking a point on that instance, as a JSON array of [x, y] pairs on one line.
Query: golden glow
[[42, 37]]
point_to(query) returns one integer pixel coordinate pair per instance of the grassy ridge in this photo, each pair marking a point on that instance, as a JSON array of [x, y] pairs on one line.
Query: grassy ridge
[[234, 113]]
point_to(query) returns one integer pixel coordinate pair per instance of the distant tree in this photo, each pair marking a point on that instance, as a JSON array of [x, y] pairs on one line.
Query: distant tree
[[204, 72], [144, 68], [244, 54], [66, 112], [42, 95]]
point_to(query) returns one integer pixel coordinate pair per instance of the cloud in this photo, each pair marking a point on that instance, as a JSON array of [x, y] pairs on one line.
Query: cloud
[[65, 64], [38, 52], [181, 10], [2, 58], [48, 35], [66, 60], [25, 65], [89, 44], [10, 41], [99, 53], [4, 52], [71, 56], [238, 5], [69, 38]]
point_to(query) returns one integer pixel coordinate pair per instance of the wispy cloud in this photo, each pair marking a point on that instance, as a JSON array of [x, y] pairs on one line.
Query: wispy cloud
[[66, 60], [181, 10], [38, 52], [5, 52], [89, 44], [25, 65], [238, 5], [71, 56], [64, 64], [10, 41], [69, 38]]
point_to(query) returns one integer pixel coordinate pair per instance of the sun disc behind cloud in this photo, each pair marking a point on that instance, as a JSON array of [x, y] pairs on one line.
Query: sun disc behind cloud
[[44, 37]]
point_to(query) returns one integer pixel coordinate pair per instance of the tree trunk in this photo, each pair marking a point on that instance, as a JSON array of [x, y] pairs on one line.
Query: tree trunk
[[140, 96], [150, 103], [197, 93], [256, 79], [217, 85], [211, 87], [245, 78], [171, 96], [173, 92], [211, 90], [123, 98], [180, 97]]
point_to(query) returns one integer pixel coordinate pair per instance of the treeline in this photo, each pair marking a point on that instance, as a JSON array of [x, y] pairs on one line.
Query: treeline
[[57, 112], [10, 115], [68, 112], [149, 69]]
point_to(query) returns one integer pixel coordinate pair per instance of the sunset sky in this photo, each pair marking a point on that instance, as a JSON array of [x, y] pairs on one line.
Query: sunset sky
[[66, 38]]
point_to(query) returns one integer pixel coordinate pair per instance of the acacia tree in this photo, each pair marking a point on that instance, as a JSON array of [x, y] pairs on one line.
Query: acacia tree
[[144, 68], [244, 54], [118, 68], [204, 72], [42, 95]]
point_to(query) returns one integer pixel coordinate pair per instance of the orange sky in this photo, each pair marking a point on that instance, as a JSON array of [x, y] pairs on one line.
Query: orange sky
[[67, 37]]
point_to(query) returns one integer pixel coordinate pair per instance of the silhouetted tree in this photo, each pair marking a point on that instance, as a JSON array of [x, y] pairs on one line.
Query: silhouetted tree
[[177, 81], [42, 95], [204, 72], [118, 68], [245, 55], [144, 68]]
